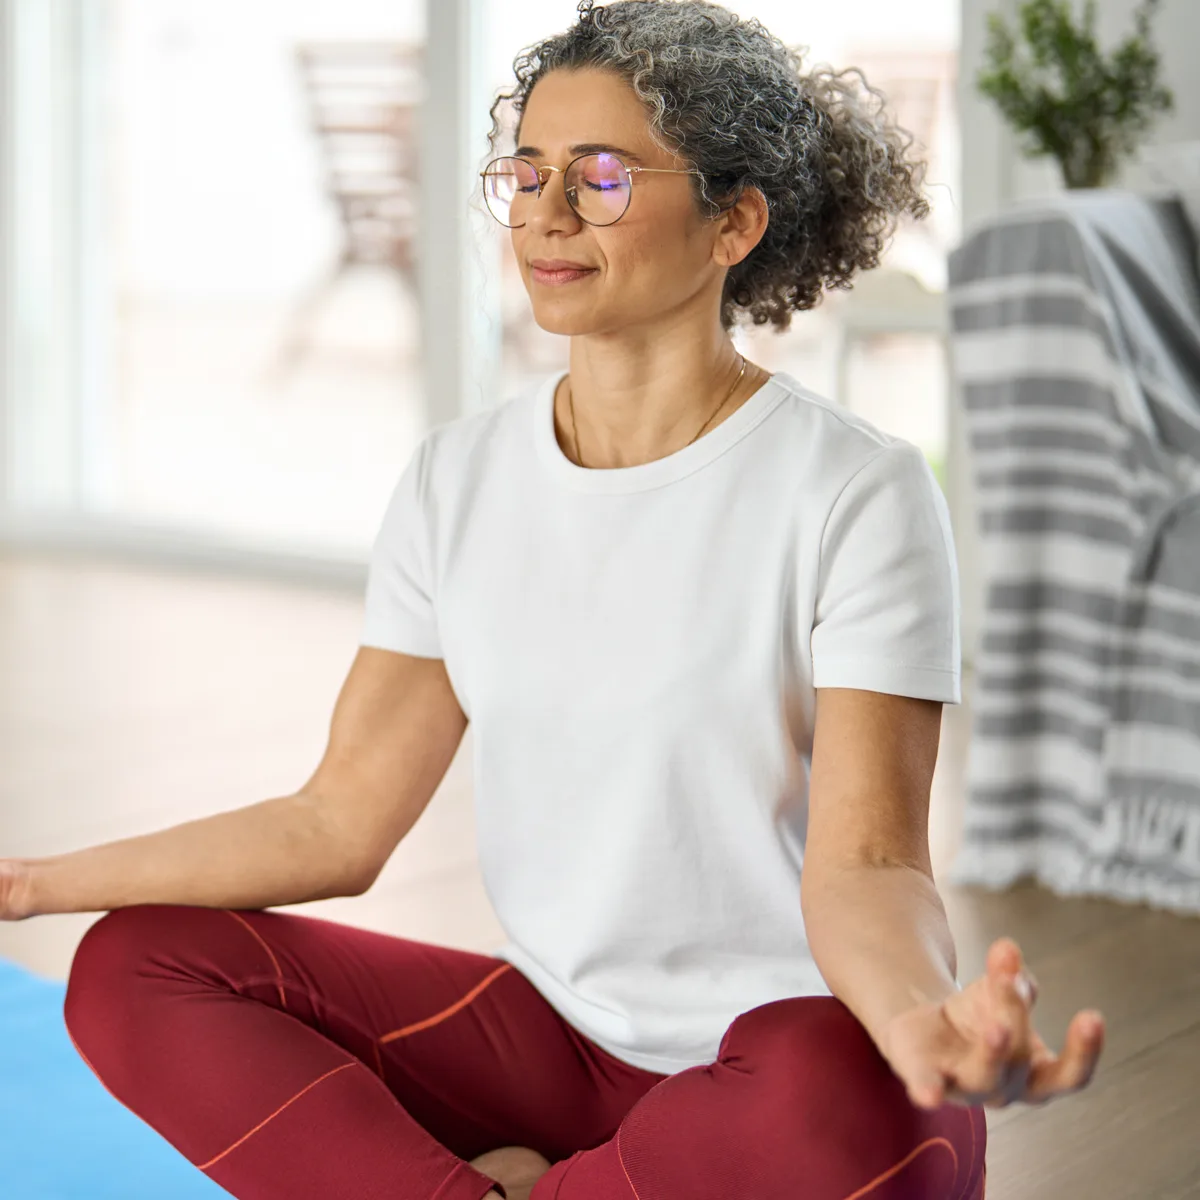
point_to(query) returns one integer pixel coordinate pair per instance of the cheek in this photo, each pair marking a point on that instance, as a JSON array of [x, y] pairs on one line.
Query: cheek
[[654, 256]]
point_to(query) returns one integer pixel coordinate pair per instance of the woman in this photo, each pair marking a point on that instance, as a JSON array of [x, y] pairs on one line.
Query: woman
[[703, 623]]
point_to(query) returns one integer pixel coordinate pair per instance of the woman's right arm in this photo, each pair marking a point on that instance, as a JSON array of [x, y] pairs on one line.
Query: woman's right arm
[[395, 729]]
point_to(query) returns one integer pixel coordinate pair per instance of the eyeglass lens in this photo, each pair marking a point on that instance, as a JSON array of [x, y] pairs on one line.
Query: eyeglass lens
[[597, 187]]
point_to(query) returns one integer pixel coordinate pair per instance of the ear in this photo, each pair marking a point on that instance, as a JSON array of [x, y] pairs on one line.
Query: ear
[[741, 227]]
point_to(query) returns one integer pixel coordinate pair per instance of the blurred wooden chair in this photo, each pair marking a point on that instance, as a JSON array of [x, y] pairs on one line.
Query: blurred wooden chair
[[363, 100], [886, 301]]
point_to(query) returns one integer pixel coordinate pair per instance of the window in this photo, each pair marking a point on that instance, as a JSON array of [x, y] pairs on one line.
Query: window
[[261, 197]]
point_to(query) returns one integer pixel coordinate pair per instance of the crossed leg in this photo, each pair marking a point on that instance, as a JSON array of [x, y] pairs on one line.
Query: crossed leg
[[799, 1103], [292, 1057]]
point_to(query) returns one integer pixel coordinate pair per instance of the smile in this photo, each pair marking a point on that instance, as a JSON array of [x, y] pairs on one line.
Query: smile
[[558, 277]]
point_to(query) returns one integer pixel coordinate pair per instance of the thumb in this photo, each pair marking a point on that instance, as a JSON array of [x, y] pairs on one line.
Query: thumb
[[926, 1087], [921, 1077]]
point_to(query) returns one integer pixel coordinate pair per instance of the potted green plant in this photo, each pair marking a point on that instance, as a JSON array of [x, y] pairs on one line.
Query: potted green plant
[[1057, 88]]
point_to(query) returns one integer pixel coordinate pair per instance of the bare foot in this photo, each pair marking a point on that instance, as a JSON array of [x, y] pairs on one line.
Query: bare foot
[[515, 1168]]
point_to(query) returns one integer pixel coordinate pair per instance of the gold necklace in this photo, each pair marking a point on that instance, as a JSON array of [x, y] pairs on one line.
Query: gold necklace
[[575, 431]]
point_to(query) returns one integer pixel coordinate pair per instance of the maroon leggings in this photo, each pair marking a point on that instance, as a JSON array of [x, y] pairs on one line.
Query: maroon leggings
[[291, 1058]]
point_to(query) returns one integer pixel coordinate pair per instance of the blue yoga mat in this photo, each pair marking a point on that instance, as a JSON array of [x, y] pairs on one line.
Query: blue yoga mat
[[62, 1136]]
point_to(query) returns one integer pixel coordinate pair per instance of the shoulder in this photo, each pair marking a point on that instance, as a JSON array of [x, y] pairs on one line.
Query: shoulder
[[871, 490], [462, 448], [838, 447]]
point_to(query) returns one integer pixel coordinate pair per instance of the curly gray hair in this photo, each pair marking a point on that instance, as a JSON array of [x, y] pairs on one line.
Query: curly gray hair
[[733, 101]]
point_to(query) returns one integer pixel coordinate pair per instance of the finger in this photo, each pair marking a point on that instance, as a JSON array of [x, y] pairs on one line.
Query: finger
[[992, 1081], [1004, 957], [1039, 1052], [1005, 964], [986, 1015], [926, 1088], [919, 1064], [998, 1085], [1073, 1069], [990, 1099], [1026, 986], [976, 1074], [1008, 1026], [996, 1055], [993, 1058]]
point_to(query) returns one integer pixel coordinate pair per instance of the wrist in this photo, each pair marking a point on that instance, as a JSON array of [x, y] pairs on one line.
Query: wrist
[[906, 1005], [17, 889]]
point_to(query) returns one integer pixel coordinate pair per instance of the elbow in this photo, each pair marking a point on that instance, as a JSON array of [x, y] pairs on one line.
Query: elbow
[[359, 874], [349, 852], [355, 885]]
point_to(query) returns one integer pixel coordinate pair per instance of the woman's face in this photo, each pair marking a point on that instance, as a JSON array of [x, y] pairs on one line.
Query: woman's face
[[660, 258]]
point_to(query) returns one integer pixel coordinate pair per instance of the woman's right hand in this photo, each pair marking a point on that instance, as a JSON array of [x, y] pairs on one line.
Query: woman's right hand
[[16, 901]]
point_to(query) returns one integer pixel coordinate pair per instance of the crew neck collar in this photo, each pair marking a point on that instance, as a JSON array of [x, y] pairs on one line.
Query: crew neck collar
[[661, 471]]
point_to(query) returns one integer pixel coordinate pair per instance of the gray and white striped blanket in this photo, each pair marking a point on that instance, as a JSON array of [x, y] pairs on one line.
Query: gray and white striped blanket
[[1075, 343]]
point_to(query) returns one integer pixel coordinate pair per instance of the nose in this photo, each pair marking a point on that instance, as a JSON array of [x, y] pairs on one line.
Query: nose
[[552, 209]]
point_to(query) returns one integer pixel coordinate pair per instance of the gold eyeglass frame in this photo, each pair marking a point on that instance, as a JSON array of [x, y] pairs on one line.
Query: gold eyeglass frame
[[543, 180]]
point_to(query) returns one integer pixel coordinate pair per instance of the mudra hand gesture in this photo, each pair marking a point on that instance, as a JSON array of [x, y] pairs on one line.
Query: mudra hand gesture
[[978, 1046]]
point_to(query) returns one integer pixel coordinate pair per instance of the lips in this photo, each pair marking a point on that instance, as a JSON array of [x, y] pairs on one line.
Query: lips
[[553, 276], [558, 264]]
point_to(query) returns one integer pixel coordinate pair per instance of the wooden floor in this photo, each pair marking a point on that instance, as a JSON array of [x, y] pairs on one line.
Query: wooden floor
[[131, 699]]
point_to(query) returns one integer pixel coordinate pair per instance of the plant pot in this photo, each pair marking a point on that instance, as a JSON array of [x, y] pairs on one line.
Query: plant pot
[[1097, 171]]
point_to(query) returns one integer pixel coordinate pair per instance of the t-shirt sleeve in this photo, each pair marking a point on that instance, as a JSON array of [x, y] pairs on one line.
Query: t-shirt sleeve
[[400, 595], [887, 615]]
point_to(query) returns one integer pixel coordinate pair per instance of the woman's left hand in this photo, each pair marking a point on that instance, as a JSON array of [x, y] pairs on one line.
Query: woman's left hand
[[978, 1046]]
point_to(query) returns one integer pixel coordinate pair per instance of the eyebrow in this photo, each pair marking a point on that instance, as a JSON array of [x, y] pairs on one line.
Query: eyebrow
[[584, 148]]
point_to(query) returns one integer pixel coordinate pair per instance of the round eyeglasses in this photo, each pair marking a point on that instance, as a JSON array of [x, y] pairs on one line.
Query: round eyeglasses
[[598, 187]]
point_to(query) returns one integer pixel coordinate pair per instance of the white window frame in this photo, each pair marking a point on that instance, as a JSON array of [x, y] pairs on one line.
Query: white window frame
[[39, 256], [55, 374]]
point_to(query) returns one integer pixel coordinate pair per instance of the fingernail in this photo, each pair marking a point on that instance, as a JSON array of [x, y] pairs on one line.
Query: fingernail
[[1021, 984]]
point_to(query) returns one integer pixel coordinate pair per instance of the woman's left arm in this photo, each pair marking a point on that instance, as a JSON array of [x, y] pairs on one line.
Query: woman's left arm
[[877, 928]]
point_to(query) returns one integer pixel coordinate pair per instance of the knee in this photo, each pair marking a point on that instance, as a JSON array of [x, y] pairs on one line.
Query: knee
[[809, 1064], [110, 974], [812, 1029], [814, 1050]]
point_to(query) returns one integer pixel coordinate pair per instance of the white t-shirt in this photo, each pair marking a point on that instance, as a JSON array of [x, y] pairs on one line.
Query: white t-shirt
[[636, 649]]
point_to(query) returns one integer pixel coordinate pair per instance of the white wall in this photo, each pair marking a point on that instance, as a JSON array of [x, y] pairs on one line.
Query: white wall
[[1177, 35], [994, 173]]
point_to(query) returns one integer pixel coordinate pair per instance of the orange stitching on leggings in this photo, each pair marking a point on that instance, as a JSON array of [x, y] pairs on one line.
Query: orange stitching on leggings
[[213, 1161], [438, 1018], [870, 1187], [971, 1169], [87, 1062], [621, 1160], [270, 953]]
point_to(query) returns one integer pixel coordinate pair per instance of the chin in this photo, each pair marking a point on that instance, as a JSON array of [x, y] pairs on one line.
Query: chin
[[565, 323]]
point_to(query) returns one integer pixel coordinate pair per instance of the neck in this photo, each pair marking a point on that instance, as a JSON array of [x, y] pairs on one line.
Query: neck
[[638, 402]]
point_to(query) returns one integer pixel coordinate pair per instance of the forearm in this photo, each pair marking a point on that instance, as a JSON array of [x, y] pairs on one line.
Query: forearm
[[280, 851], [880, 938]]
